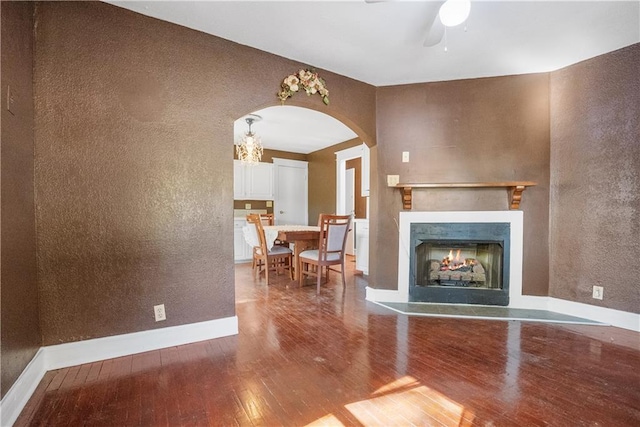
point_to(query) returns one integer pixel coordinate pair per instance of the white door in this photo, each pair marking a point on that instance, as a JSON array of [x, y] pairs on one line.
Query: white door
[[291, 192], [350, 205]]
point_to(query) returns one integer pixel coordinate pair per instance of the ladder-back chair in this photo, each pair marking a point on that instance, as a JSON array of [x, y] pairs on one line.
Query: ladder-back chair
[[279, 258]]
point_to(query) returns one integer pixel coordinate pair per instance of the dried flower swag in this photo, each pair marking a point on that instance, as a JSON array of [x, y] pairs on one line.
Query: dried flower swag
[[307, 80]]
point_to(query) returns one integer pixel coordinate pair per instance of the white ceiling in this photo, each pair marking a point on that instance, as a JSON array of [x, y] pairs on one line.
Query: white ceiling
[[295, 129], [382, 42]]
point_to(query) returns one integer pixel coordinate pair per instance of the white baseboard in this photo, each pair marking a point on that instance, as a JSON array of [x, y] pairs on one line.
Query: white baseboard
[[385, 295], [20, 392], [609, 316], [529, 302], [89, 351], [617, 318], [77, 353]]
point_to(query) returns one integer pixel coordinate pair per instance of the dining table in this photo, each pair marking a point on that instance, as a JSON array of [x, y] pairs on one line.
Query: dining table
[[302, 237]]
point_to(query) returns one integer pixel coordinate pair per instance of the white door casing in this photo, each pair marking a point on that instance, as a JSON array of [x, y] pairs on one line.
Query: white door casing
[[350, 206], [341, 161]]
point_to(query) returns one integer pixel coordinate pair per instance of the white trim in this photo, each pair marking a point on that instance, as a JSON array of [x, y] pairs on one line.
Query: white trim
[[20, 392], [288, 162], [531, 302], [88, 351], [341, 159], [384, 295], [618, 318]]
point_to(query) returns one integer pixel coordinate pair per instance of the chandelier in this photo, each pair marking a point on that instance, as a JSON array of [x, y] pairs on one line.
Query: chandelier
[[249, 149]]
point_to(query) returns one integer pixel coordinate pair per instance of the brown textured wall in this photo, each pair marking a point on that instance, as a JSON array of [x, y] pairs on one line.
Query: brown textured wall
[[322, 179], [19, 290], [595, 180], [493, 129], [134, 124]]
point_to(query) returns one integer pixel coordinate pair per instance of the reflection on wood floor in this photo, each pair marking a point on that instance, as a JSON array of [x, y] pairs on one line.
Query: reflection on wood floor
[[334, 359]]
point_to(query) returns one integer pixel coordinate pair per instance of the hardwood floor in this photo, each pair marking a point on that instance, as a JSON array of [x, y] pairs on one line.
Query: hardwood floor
[[335, 359]]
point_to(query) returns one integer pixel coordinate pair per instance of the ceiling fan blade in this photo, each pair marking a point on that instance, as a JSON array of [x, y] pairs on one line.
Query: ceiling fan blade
[[435, 33]]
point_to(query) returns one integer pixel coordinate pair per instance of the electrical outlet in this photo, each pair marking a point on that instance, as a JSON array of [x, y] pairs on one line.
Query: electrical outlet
[[393, 180], [159, 312], [598, 292], [269, 204], [247, 205], [405, 157]]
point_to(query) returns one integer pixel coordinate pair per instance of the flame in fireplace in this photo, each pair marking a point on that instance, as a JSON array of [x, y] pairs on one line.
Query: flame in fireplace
[[456, 262]]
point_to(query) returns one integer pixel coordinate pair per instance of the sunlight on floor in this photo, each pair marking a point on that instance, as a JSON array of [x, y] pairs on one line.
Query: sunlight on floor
[[407, 401]]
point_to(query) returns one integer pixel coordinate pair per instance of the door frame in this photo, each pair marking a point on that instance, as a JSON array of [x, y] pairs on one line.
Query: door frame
[[300, 164], [341, 166]]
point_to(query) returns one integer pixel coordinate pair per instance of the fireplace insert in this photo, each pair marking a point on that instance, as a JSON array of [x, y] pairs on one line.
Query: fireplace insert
[[460, 263]]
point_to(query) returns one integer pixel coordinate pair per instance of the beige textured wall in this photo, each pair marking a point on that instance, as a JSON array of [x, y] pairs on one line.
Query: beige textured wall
[[134, 134], [595, 180], [20, 337], [493, 129]]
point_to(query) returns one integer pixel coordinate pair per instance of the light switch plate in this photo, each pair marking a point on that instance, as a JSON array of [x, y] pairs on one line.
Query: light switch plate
[[405, 157], [392, 180]]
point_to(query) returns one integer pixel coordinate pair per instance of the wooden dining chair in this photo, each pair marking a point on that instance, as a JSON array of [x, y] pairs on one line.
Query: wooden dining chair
[[333, 238], [279, 258], [265, 219]]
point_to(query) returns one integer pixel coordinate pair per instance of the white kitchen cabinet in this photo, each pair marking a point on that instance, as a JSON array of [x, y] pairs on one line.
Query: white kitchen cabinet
[[238, 180], [241, 250], [252, 182], [362, 245]]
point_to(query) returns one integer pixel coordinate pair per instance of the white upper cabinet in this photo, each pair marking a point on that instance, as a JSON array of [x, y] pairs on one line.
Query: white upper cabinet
[[252, 182], [238, 180]]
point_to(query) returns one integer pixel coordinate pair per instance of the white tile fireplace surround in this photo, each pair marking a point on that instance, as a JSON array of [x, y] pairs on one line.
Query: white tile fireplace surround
[[516, 300]]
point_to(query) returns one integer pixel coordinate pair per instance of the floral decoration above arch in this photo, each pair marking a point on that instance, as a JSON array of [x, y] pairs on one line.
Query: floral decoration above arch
[[307, 80]]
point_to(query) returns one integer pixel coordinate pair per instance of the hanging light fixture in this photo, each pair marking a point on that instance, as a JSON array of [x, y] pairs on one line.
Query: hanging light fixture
[[454, 12], [249, 149]]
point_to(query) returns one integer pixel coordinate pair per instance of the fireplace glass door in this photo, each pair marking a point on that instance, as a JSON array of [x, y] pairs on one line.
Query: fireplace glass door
[[456, 264], [464, 263]]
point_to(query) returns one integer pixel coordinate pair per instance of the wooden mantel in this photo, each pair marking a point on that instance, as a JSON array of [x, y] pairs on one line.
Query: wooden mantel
[[515, 189]]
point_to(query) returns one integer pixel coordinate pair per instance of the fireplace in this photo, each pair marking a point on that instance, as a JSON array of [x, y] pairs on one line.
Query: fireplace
[[511, 258], [466, 263]]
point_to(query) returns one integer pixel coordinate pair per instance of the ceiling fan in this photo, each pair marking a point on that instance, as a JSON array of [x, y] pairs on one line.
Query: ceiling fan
[[449, 13]]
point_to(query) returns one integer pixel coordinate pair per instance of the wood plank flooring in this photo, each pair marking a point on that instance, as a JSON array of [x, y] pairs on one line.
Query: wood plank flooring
[[334, 359]]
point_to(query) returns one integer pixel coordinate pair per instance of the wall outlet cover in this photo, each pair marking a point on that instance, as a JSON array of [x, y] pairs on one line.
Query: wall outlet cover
[[393, 180], [598, 292], [160, 314], [247, 205]]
